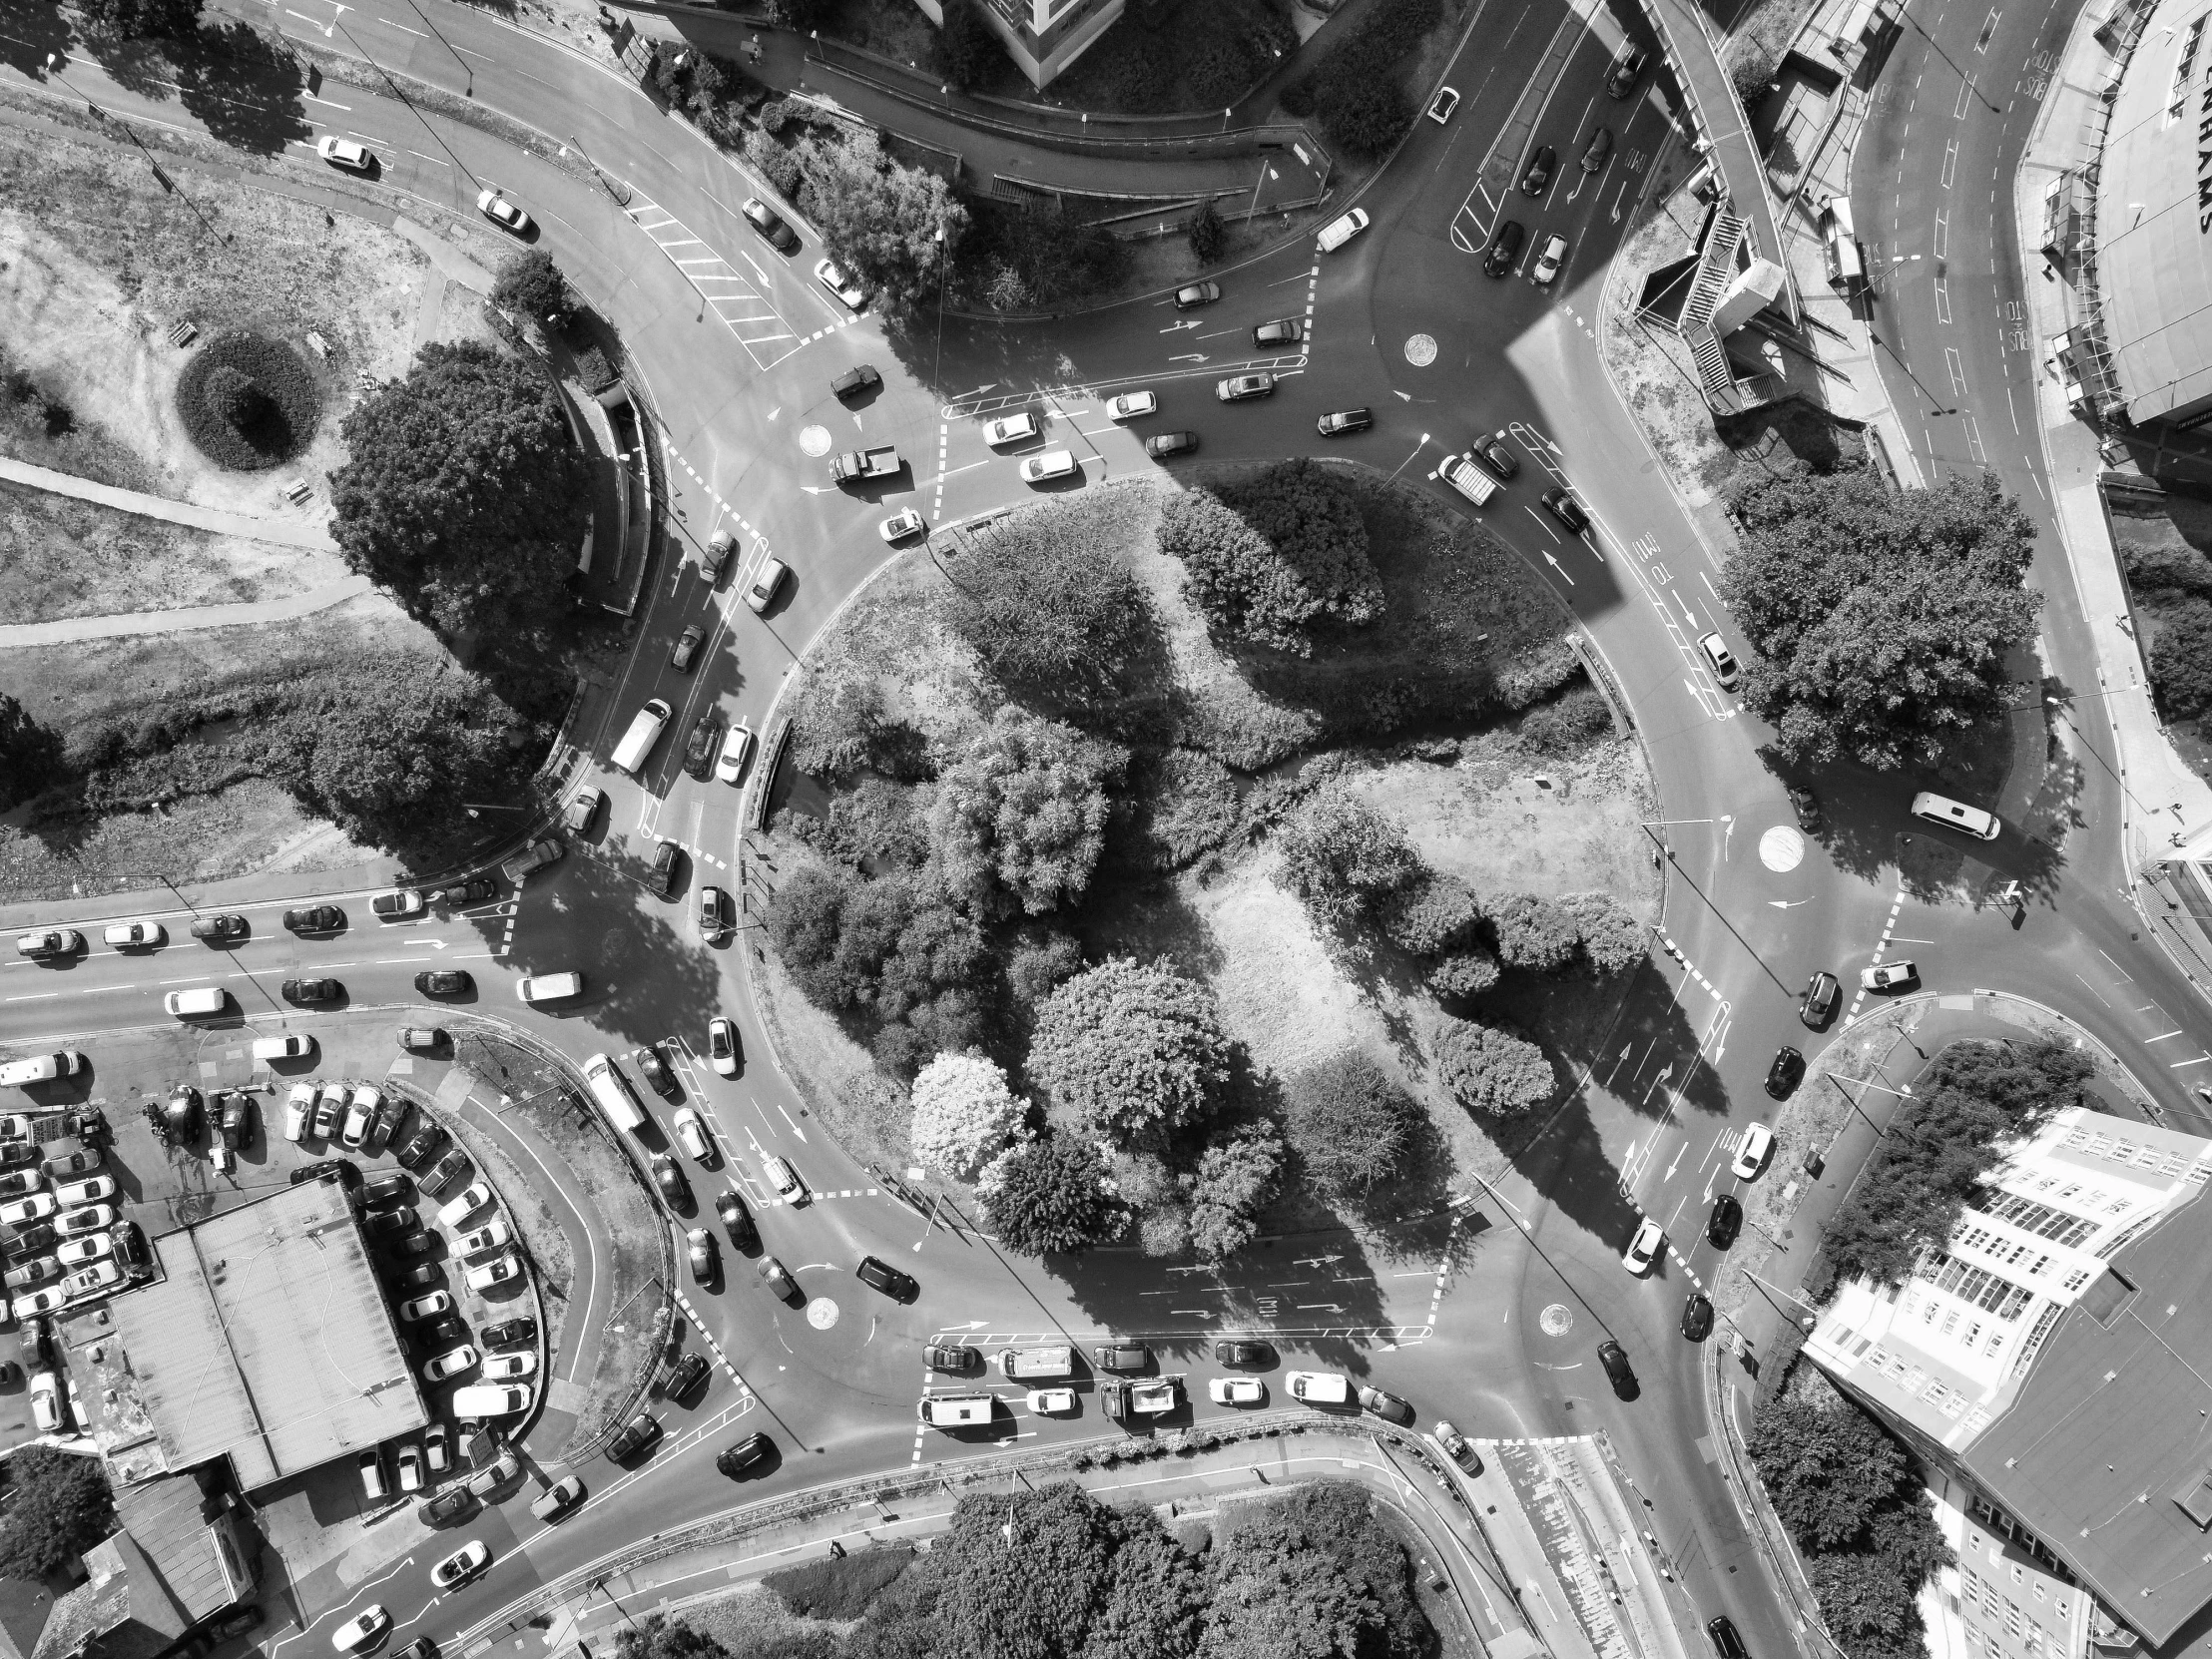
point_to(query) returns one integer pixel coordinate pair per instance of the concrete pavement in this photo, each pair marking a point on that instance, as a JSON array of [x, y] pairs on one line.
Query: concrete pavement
[[285, 532]]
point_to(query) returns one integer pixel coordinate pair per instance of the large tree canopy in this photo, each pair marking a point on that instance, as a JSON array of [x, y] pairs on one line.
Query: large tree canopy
[[1881, 619], [1022, 816], [1131, 1049], [1050, 1196], [887, 225], [462, 495], [1275, 560], [63, 1506]]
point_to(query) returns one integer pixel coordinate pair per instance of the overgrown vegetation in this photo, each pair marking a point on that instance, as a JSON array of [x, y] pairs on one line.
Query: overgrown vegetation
[[1932, 1161], [1880, 619], [1199, 55], [1357, 90], [62, 1507], [1850, 1500], [839, 1587], [247, 402], [530, 284]]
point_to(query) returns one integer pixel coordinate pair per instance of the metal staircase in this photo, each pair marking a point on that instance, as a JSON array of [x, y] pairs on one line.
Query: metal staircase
[[1716, 264]]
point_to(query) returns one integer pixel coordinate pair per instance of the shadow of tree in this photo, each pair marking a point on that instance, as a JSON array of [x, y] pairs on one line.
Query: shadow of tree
[[30, 31], [245, 88], [136, 65]]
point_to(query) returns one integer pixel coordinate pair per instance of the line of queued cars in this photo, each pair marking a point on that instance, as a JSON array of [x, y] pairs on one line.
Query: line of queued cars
[[1508, 235], [61, 1237]]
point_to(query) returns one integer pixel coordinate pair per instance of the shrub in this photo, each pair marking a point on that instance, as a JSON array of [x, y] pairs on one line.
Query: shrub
[[1034, 253], [1341, 856], [1368, 119], [1039, 962], [137, 19], [2181, 659], [1350, 1124], [887, 225], [1049, 1197], [1020, 818], [1358, 89], [1130, 71], [1187, 808], [1132, 1050], [839, 1587], [1464, 974], [1430, 914], [806, 916], [1537, 936], [247, 402], [1236, 1174], [967, 51], [1612, 939], [1567, 724], [1492, 1069], [1208, 234], [775, 162], [1048, 604], [1274, 559], [31, 755], [530, 284], [964, 1114]]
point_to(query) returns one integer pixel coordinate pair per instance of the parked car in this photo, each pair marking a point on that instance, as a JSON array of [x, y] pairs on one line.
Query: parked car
[[495, 1234], [85, 1249], [504, 1368], [407, 1464], [426, 1307], [421, 1039], [509, 1333], [477, 1195], [452, 1363], [770, 223], [446, 1506], [489, 1276]]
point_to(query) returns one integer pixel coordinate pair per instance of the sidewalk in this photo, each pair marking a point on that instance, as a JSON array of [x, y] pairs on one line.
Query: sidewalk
[[285, 532], [69, 629]]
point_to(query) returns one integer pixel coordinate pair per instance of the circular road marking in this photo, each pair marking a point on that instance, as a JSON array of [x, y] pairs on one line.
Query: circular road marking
[[1556, 1319], [1782, 848], [1420, 350], [822, 1312], [814, 440]]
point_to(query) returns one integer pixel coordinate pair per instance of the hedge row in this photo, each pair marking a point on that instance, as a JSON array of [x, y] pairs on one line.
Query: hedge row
[[1359, 90], [229, 425]]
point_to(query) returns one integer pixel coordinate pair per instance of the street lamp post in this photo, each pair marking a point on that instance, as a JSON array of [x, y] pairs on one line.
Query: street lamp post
[[1905, 1094]]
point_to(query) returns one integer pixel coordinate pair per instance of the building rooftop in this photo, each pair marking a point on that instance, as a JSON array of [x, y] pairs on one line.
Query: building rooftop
[[170, 1521], [267, 1339]]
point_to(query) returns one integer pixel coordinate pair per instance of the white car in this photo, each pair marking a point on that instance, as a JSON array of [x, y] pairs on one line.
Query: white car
[[691, 1133], [1130, 404], [44, 1300], [1888, 976], [503, 212], [1013, 428], [1758, 1142], [1050, 1401], [299, 1109], [722, 1045], [437, 1448], [91, 1190], [1442, 106], [346, 153], [452, 1363], [408, 1460], [500, 1270], [14, 1126], [22, 1212], [362, 1629], [493, 1234], [1643, 1249], [1237, 1391], [737, 748], [359, 1114], [781, 1176], [135, 936], [293, 1045], [464, 1562], [82, 1253], [1338, 231], [767, 579], [101, 1276], [426, 1307], [398, 903], [502, 1367], [474, 1198], [46, 1402], [1053, 463], [839, 284], [901, 524], [1548, 262]]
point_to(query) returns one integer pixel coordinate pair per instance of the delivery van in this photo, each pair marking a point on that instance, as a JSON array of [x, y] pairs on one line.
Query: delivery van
[[199, 1002], [1037, 1362], [1955, 815], [40, 1068], [613, 1092], [957, 1411], [644, 733], [1461, 472]]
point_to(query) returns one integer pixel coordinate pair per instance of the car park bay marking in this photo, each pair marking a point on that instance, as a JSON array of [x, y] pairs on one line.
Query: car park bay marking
[[739, 303]]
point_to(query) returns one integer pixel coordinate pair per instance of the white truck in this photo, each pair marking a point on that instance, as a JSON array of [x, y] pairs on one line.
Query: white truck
[[1150, 1397], [1319, 1387], [853, 464], [957, 1411], [1464, 475], [1036, 1361]]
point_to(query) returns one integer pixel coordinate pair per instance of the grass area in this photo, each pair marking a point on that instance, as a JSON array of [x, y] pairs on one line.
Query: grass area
[[67, 558], [39, 426], [634, 1265], [839, 1587], [747, 1620], [2165, 546]]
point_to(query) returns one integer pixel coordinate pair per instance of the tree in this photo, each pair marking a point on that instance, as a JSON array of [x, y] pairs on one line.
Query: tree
[[1342, 855], [888, 226], [1236, 1174], [63, 1506], [1464, 974], [1314, 1573], [1430, 914], [32, 756], [967, 49], [2181, 659], [1534, 934], [1492, 1069], [1040, 961], [1045, 599], [1611, 937], [1154, 1598], [1049, 1197], [1824, 1470], [806, 915], [1022, 814], [1370, 117], [464, 495], [1275, 560], [1029, 1590], [1132, 1050], [530, 284], [964, 1114], [1209, 235], [139, 19], [1351, 1125], [1880, 620]]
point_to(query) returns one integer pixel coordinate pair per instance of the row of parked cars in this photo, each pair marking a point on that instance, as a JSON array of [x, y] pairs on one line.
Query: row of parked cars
[[61, 1237]]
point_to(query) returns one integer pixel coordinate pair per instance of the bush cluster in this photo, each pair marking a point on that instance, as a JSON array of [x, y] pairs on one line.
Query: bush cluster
[[1358, 89], [247, 402], [1493, 1069], [1026, 256], [1277, 560]]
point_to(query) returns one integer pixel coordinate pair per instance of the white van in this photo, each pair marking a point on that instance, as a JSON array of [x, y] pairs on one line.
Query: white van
[[549, 987], [1955, 814], [40, 1068], [295, 1046], [612, 1090], [489, 1400], [644, 733], [1461, 472], [200, 1001], [957, 1411], [1338, 231]]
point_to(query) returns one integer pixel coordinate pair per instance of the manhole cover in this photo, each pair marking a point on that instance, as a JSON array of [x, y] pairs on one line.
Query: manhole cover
[[822, 1312], [1556, 1321], [1782, 848], [1420, 350], [814, 440]]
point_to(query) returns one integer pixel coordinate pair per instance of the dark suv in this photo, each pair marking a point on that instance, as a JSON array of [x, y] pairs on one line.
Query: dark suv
[[1786, 1073], [1504, 248], [1539, 174], [638, 1433], [1820, 996], [887, 1279], [1122, 1357], [663, 880]]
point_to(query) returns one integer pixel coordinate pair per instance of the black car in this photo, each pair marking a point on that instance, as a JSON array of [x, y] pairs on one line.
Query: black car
[[444, 982], [1243, 1354], [704, 743], [423, 1276], [474, 890], [747, 1454], [222, 930], [446, 1506], [508, 1334], [1505, 248], [417, 1149], [854, 382], [884, 1277], [687, 646], [1786, 1073], [380, 1224], [408, 1246], [1726, 1642], [1807, 806], [636, 1434], [312, 991], [441, 1334], [1620, 80], [1541, 167], [668, 1176], [1385, 1406], [953, 1357], [1284, 331], [1170, 443], [1122, 1357], [1697, 1317], [1822, 995], [1614, 1359], [1567, 510], [736, 1221], [663, 879], [1492, 453], [130, 1246], [316, 918], [770, 223], [387, 1187], [1726, 1221], [684, 1376], [657, 1073]]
